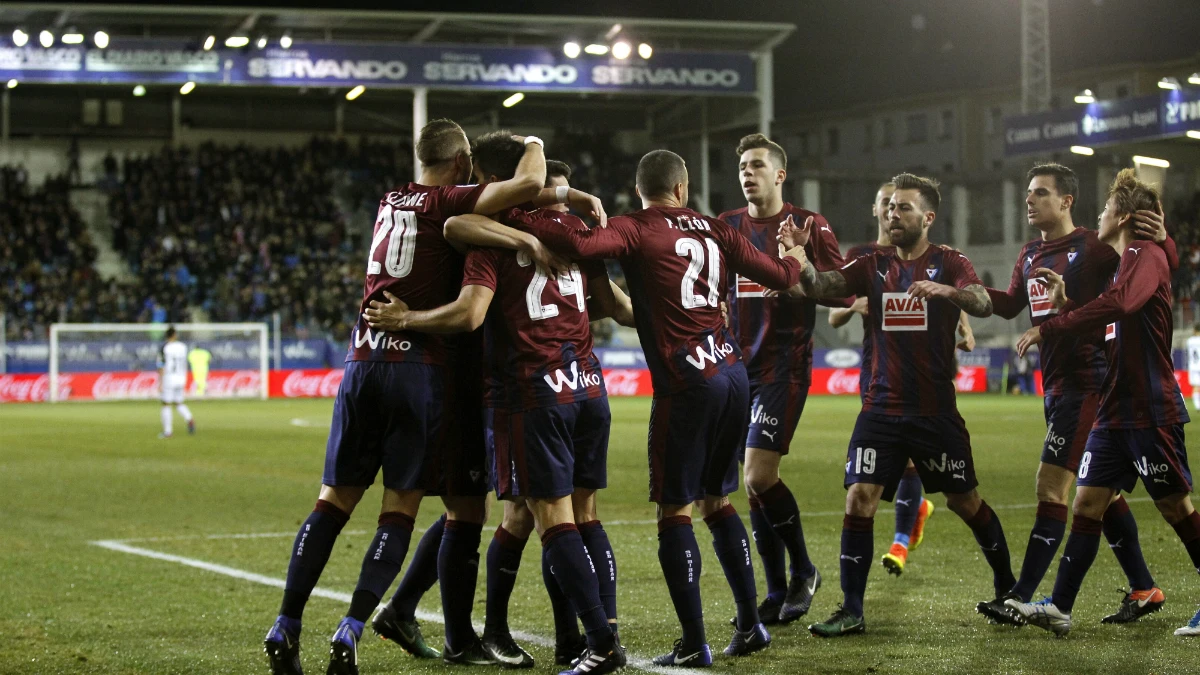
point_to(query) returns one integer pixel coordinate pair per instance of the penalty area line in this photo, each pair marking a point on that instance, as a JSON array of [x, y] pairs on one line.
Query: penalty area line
[[339, 596]]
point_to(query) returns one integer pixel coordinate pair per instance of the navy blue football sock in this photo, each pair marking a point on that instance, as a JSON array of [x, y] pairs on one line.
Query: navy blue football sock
[[1044, 540], [576, 577], [601, 553], [1078, 556], [458, 570], [1188, 530], [770, 550], [566, 627], [858, 547], [985, 525], [732, 546], [781, 510], [503, 561], [381, 563], [310, 552], [1121, 531], [679, 556], [421, 574], [908, 504]]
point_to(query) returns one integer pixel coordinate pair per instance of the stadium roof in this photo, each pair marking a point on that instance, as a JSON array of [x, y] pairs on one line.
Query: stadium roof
[[390, 26]]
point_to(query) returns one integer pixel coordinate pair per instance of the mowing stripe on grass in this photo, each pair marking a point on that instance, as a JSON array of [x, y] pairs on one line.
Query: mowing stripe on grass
[[122, 547]]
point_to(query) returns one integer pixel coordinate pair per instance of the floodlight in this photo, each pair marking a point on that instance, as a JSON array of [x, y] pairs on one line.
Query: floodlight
[[596, 49], [100, 39], [46, 38], [1151, 161], [12, 84], [209, 42], [645, 51], [355, 92], [514, 99], [20, 37], [571, 49], [1168, 83], [236, 41], [1082, 150], [285, 41], [1085, 96], [187, 88], [72, 37]]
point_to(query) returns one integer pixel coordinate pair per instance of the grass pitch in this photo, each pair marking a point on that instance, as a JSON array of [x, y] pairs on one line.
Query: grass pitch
[[74, 474]]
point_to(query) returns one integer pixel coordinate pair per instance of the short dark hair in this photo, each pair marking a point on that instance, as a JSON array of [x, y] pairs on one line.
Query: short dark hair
[[774, 150], [441, 140], [170, 332], [497, 153], [557, 168], [1065, 180], [928, 187], [1131, 194], [886, 184], [659, 171]]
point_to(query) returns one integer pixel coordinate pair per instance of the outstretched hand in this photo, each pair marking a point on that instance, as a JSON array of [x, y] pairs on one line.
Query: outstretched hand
[[1032, 337], [790, 236], [1056, 288]]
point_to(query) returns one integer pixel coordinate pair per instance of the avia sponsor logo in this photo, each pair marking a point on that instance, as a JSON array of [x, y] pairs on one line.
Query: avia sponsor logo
[[749, 289], [759, 416], [902, 312], [713, 354], [377, 340], [576, 382], [1149, 469], [1110, 331], [299, 67], [1039, 298], [308, 383], [945, 464], [456, 68], [726, 78]]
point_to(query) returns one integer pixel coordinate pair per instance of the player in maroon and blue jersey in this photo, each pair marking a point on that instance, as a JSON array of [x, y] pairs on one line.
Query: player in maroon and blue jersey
[[915, 295], [393, 408], [546, 408], [1073, 367], [1139, 422], [775, 334], [675, 263]]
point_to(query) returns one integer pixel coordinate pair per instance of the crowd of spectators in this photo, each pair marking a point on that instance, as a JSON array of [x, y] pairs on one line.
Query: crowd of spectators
[[1184, 224]]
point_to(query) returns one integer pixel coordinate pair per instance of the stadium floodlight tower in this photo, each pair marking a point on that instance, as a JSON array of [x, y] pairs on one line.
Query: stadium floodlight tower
[[119, 360]]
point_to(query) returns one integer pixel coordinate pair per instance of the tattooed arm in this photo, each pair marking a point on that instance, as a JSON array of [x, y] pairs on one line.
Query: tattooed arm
[[972, 299], [824, 285]]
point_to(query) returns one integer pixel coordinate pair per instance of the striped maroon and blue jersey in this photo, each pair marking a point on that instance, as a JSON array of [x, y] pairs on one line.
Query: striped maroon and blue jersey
[[675, 262], [411, 259], [775, 334], [908, 344], [1134, 313], [538, 342], [864, 373]]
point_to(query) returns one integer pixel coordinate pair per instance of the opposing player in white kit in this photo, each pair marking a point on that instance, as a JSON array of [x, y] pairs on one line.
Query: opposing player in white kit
[[172, 376], [1193, 363]]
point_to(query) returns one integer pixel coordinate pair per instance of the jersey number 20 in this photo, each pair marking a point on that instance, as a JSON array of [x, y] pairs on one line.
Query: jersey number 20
[[693, 250], [401, 245]]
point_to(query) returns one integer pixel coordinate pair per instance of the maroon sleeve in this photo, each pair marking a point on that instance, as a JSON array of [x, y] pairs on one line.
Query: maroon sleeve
[[1168, 247], [742, 257], [825, 255], [620, 238], [458, 199], [857, 274], [1141, 272], [964, 271], [1011, 303], [482, 268]]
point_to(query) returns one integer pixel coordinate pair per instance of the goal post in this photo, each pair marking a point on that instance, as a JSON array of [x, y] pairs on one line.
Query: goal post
[[118, 361]]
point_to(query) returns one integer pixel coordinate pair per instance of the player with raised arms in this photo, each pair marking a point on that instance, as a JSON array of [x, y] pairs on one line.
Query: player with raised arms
[[915, 295], [172, 379], [775, 334], [1073, 367], [547, 430], [675, 262], [1139, 428], [397, 409]]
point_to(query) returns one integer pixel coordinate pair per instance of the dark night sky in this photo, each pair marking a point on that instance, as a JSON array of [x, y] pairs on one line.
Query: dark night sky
[[852, 51]]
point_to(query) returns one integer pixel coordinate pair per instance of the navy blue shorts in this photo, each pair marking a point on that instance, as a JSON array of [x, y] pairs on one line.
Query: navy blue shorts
[[460, 463], [1115, 458], [1069, 419], [775, 411], [389, 416], [695, 437], [938, 445], [548, 452]]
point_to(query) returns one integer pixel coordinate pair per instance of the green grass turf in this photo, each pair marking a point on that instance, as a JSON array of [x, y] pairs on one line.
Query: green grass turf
[[74, 473]]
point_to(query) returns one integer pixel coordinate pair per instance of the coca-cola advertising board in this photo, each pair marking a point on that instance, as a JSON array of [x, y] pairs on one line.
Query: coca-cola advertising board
[[121, 386], [845, 380]]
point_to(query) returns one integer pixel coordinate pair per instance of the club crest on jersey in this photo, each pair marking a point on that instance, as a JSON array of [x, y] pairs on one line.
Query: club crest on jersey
[[931, 272], [1071, 254], [749, 289], [1039, 298], [903, 312]]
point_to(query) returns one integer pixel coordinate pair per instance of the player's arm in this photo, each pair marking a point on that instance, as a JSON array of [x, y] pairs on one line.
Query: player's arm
[[609, 301], [967, 343], [827, 255], [1009, 304], [578, 200], [743, 258], [813, 284], [463, 315], [525, 184], [972, 299], [840, 316], [476, 230], [614, 241]]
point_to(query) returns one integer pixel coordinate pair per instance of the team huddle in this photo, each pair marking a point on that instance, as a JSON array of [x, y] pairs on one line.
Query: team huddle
[[471, 369]]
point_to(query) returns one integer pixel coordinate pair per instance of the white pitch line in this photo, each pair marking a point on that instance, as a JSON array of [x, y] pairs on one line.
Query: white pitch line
[[122, 547]]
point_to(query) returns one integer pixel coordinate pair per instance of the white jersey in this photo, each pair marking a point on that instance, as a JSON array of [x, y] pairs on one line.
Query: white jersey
[[1193, 354], [173, 361]]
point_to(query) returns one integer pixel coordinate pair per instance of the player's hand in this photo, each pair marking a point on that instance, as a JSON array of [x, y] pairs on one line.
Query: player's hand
[[588, 205], [860, 305], [967, 343], [387, 316], [725, 313], [1056, 288], [930, 289], [546, 259], [1150, 224], [790, 236], [792, 293], [796, 253], [1032, 337]]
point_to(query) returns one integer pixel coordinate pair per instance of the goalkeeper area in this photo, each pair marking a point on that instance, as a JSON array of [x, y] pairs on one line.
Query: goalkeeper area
[[122, 553]]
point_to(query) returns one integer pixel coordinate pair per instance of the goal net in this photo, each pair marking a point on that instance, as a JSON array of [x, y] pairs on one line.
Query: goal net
[[119, 361]]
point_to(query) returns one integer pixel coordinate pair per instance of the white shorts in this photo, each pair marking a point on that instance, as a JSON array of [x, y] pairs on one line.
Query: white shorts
[[1194, 378], [172, 393]]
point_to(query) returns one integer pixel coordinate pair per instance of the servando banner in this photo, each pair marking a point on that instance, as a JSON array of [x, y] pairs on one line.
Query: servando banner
[[149, 61]]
